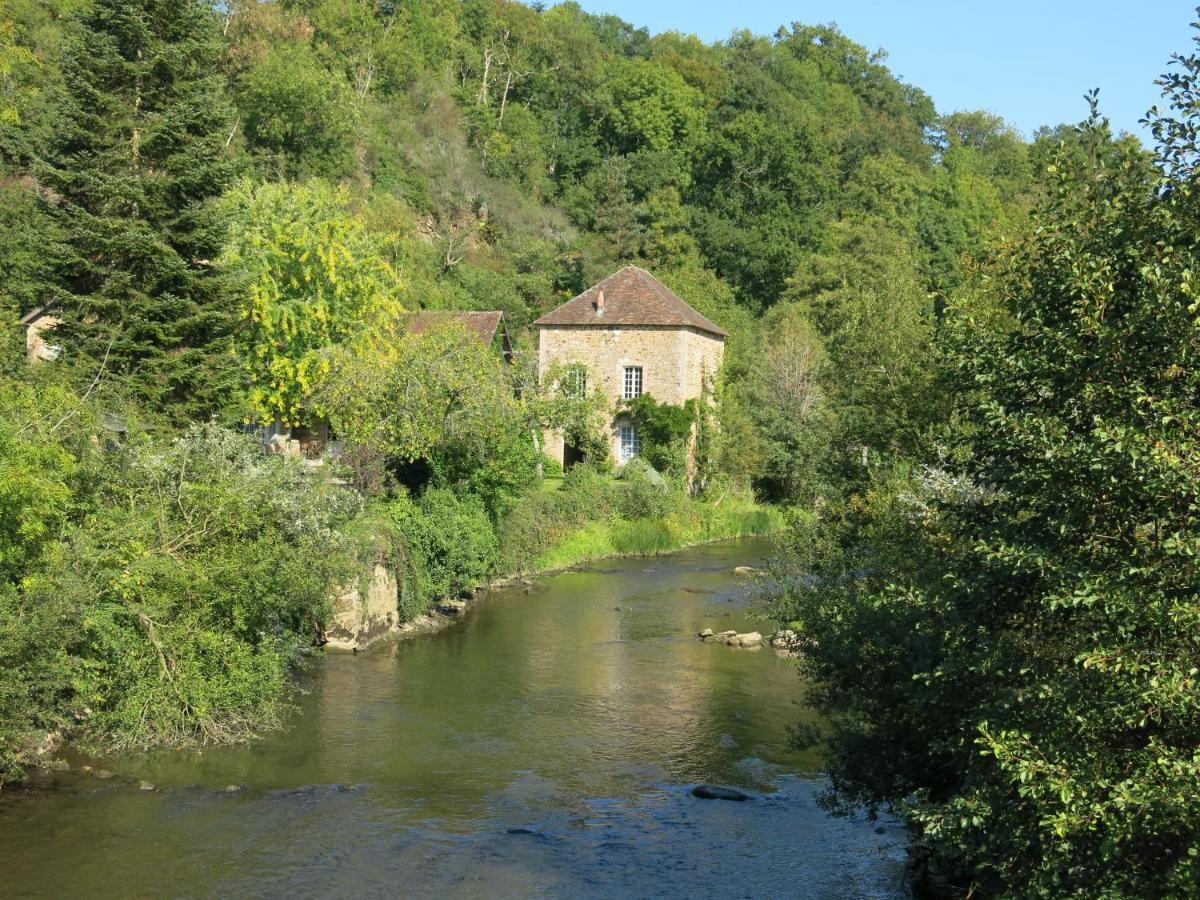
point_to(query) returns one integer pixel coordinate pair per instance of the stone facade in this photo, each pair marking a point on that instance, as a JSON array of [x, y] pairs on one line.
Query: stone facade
[[38, 324], [677, 360]]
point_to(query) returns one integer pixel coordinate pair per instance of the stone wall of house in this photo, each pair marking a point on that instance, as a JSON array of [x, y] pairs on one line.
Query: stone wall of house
[[675, 363], [37, 347]]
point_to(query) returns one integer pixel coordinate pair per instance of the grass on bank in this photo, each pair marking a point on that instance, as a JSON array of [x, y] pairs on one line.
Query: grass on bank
[[651, 536]]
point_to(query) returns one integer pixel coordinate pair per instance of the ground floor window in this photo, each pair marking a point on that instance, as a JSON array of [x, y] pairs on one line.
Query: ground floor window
[[631, 443]]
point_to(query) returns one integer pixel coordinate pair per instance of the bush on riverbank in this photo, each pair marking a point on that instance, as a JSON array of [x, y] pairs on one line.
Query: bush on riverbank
[[156, 592], [152, 593]]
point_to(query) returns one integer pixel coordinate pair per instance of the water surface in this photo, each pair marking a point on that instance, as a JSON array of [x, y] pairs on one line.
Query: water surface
[[543, 747]]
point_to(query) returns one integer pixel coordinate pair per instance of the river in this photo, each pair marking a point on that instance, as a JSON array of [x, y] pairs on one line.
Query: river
[[543, 747]]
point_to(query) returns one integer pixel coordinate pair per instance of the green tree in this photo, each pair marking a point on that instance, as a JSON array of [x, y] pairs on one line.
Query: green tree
[[298, 115], [138, 158], [1009, 652], [439, 398], [312, 277]]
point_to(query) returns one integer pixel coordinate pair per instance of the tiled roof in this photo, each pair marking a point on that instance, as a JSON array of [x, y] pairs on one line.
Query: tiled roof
[[632, 296], [33, 315], [483, 324]]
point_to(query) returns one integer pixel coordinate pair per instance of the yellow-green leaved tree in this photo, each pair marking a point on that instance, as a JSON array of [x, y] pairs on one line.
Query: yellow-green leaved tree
[[313, 278]]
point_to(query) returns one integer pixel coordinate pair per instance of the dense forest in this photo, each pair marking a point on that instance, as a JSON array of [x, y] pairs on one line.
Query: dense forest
[[961, 361]]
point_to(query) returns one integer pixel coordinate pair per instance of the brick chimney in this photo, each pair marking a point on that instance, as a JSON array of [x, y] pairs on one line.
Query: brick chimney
[[600, 303]]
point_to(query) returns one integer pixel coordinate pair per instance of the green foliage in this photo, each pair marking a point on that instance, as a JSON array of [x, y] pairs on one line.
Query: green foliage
[[312, 278], [36, 477], [452, 541], [665, 430], [785, 396], [202, 568], [439, 397], [151, 593], [136, 160], [299, 117], [1005, 637]]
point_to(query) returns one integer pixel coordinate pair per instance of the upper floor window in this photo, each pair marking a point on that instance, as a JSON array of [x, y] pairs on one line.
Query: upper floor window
[[633, 382]]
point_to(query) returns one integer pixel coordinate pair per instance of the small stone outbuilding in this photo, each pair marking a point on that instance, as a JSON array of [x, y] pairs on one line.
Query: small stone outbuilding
[[488, 326], [634, 336], [38, 324]]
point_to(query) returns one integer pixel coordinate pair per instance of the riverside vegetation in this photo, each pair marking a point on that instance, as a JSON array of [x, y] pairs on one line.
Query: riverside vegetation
[[960, 361]]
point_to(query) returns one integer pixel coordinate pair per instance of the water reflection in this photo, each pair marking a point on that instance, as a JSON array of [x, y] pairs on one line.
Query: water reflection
[[543, 747]]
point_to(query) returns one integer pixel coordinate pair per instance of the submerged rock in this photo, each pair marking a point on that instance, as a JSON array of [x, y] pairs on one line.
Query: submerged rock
[[714, 792], [749, 640]]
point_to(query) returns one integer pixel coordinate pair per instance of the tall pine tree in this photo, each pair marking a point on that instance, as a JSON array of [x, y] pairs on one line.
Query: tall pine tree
[[134, 170]]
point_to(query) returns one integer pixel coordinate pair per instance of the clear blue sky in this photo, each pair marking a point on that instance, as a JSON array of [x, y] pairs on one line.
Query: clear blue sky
[[1027, 61]]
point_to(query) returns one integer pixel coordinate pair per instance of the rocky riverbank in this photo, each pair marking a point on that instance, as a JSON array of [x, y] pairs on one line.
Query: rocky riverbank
[[785, 642]]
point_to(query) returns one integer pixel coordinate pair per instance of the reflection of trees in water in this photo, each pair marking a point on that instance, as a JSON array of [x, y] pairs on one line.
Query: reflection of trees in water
[[593, 681]]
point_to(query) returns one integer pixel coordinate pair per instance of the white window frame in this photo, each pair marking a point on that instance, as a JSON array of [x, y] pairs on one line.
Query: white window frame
[[633, 383], [631, 443]]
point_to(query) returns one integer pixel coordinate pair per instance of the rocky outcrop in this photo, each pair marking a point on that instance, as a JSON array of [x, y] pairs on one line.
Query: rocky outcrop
[[358, 621], [790, 643], [748, 640]]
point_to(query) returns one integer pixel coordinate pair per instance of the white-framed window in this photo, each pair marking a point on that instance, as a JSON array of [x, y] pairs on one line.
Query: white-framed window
[[631, 443], [633, 382]]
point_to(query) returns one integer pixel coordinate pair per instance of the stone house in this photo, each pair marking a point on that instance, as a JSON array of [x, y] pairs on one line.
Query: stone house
[[634, 336], [38, 323]]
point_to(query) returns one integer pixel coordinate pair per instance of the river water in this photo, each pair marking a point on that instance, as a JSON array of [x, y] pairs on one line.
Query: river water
[[543, 747]]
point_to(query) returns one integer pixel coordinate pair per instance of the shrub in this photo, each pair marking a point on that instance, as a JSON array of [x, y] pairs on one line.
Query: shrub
[[200, 570], [644, 494], [452, 542]]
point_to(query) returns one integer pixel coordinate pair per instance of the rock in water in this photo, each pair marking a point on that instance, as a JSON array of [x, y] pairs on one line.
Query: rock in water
[[706, 633], [743, 570], [713, 792]]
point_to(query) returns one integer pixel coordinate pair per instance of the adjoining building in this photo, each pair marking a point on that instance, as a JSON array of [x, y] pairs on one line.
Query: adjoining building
[[316, 439], [38, 324], [634, 336], [488, 326]]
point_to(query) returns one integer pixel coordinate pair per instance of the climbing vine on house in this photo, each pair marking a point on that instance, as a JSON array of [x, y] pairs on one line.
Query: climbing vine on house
[[668, 431]]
